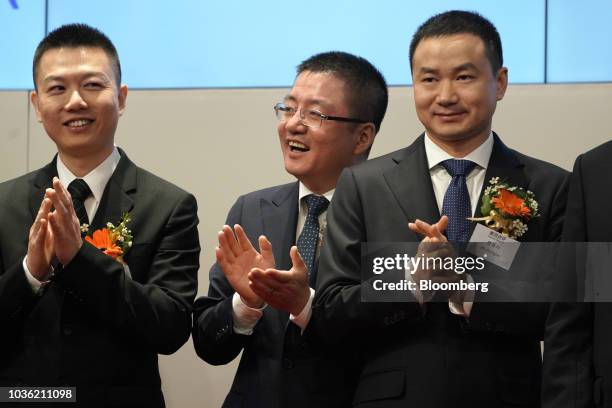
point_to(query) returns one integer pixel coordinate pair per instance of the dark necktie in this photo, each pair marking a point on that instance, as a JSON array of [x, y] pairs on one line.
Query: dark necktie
[[79, 190], [309, 237], [456, 204]]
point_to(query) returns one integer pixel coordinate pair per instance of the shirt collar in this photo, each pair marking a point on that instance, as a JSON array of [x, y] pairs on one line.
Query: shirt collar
[[480, 155], [95, 179], [304, 191]]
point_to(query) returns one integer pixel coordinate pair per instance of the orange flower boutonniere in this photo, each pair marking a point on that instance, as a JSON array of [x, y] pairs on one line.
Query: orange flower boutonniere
[[113, 240], [507, 208], [511, 204]]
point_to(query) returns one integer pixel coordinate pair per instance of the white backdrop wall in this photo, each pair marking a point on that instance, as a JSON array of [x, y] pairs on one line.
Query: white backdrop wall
[[219, 144]]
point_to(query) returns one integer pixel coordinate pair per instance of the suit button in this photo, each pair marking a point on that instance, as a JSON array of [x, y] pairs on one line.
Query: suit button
[[67, 331], [287, 363]]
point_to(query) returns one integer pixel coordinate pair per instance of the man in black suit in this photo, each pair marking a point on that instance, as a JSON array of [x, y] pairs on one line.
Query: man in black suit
[[463, 351], [327, 122], [92, 316], [577, 352]]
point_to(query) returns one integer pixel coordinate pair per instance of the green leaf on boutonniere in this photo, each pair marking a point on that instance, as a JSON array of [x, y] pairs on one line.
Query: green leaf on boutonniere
[[485, 209], [520, 193]]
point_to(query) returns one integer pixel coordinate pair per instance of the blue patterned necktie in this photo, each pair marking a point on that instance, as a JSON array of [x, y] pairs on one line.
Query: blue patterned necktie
[[456, 204], [309, 237], [79, 190]]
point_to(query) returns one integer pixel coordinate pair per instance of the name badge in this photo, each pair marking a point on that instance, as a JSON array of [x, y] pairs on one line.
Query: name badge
[[496, 248]]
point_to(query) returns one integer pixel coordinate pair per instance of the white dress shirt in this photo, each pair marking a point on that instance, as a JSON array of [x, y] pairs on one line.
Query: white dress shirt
[[245, 318], [441, 179], [96, 180]]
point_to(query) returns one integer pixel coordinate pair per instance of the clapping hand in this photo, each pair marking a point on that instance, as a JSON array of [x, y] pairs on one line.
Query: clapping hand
[[434, 245], [284, 290], [236, 256]]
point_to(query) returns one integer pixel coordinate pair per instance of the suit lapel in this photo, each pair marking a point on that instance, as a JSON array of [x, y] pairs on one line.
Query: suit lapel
[[279, 217], [54, 294], [42, 180], [506, 165], [116, 198], [411, 185]]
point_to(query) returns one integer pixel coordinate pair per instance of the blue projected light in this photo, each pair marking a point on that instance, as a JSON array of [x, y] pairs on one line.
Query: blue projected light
[[259, 43], [23, 26], [579, 36], [244, 43]]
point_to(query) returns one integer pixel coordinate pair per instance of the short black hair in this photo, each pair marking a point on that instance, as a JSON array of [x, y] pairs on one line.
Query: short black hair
[[74, 36], [462, 22], [366, 87]]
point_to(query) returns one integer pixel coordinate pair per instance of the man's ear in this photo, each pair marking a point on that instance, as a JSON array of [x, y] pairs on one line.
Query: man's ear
[[123, 91], [365, 138], [34, 101], [502, 82]]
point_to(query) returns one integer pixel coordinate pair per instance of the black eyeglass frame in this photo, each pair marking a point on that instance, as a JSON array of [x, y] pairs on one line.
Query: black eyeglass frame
[[280, 106]]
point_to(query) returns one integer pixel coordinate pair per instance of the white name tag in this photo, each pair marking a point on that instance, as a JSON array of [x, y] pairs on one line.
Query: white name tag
[[493, 246]]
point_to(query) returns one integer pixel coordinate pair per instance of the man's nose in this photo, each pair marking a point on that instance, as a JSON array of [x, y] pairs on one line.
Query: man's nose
[[447, 94], [295, 124], [76, 101]]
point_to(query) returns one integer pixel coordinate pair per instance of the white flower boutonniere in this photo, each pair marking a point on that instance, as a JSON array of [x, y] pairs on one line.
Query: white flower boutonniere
[[507, 208]]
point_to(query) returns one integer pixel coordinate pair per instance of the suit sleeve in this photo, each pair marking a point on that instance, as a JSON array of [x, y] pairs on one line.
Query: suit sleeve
[[16, 301], [16, 295], [156, 312], [338, 309], [568, 343], [214, 338]]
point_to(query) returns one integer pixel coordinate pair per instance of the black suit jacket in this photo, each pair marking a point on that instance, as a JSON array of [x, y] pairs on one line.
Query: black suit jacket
[[279, 366], [580, 360], [94, 327], [428, 357]]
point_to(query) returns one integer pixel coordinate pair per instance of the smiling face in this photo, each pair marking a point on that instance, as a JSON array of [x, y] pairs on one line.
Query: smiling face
[[78, 101], [455, 90], [316, 156]]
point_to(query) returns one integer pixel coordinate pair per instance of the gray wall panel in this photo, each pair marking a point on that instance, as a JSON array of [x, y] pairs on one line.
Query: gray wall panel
[[13, 134]]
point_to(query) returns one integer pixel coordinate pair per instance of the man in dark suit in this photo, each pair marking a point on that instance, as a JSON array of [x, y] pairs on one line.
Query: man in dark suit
[[92, 316], [327, 122], [577, 352], [462, 351]]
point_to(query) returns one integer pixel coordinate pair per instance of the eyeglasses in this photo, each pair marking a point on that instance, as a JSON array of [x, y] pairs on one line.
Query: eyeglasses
[[310, 118]]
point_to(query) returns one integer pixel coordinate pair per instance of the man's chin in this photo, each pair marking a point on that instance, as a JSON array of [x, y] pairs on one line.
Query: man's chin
[[83, 150], [295, 171], [452, 135]]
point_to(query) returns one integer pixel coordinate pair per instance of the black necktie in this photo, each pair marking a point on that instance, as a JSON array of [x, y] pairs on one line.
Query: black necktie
[[79, 190], [309, 237], [456, 204]]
